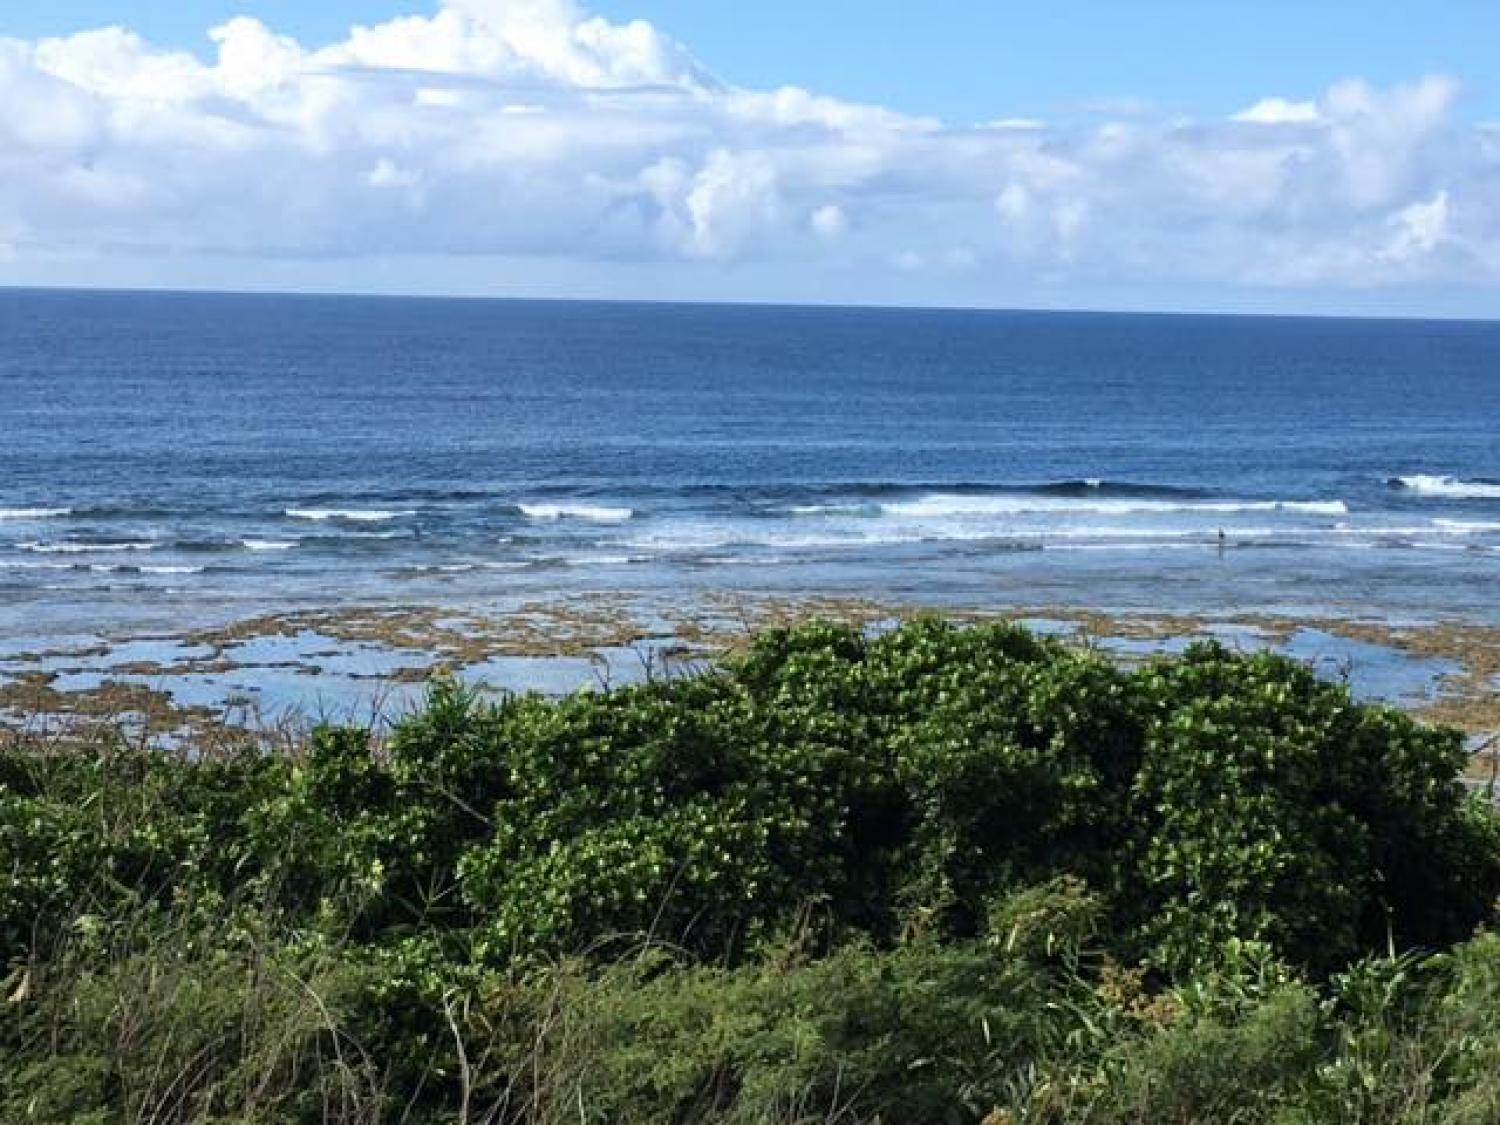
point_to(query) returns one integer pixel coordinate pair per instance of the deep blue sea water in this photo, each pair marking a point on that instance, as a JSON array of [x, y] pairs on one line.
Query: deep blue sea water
[[172, 459]]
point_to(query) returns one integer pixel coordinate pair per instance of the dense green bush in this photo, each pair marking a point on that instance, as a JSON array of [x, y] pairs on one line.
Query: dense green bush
[[1269, 807], [936, 874]]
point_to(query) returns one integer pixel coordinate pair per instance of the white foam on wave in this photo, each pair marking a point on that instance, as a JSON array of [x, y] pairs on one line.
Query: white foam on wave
[[1125, 546], [467, 567], [1142, 533], [707, 537], [834, 509], [1381, 530], [589, 513], [267, 545], [943, 505], [740, 560], [1450, 488], [344, 535], [605, 560], [894, 532], [87, 548], [25, 514], [118, 568], [1429, 545], [695, 538], [1467, 527], [353, 515]]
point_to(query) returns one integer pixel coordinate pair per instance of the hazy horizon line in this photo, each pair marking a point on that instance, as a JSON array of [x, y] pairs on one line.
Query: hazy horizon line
[[745, 303]]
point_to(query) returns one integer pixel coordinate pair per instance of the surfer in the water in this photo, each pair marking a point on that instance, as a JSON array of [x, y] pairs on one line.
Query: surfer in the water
[[1223, 540]]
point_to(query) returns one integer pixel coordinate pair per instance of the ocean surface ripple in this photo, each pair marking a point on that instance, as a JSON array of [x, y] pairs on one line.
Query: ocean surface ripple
[[170, 455]]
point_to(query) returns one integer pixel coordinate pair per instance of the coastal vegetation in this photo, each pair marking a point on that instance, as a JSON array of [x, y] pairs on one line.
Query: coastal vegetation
[[938, 874]]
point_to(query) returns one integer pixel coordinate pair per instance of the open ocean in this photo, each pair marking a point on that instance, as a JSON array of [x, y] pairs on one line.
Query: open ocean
[[171, 459]]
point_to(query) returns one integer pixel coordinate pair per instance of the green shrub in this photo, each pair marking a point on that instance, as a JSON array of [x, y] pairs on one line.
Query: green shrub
[[669, 809], [940, 874], [1270, 808]]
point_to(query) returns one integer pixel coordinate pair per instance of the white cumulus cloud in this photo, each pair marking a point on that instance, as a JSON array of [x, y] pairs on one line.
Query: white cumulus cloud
[[830, 220], [1419, 228], [1279, 111], [536, 130]]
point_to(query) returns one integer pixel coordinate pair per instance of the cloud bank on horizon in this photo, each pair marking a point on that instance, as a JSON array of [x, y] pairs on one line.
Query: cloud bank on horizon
[[531, 129]]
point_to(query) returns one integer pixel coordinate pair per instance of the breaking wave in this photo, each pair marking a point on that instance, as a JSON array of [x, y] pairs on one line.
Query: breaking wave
[[1449, 488], [1468, 527], [26, 514], [834, 510], [87, 548], [945, 505], [121, 568], [589, 513], [352, 515]]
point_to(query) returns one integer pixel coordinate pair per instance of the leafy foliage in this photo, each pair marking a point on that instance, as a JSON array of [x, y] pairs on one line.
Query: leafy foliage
[[937, 874], [1270, 808]]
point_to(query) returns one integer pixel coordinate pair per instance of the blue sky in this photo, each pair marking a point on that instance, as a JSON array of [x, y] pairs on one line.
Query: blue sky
[[1336, 156]]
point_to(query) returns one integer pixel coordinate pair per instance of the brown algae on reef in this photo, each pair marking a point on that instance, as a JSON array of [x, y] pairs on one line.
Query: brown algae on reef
[[340, 663]]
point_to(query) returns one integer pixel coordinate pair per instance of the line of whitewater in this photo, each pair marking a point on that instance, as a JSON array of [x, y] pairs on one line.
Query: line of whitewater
[[589, 513], [941, 505], [1446, 487], [353, 515], [26, 515]]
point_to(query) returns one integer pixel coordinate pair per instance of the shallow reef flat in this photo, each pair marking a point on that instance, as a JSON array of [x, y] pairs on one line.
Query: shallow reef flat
[[368, 664]]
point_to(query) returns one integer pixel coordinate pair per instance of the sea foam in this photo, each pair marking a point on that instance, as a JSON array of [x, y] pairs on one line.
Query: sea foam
[[34, 513], [86, 548], [948, 505], [851, 509], [1452, 488], [122, 568], [353, 515], [590, 513]]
